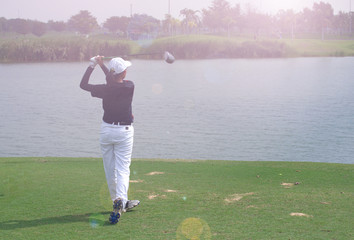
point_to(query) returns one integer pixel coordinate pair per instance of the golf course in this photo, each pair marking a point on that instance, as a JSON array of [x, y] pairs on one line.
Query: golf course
[[177, 120], [67, 198]]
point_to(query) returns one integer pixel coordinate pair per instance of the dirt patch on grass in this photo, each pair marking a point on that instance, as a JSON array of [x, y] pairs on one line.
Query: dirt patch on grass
[[237, 197], [154, 173], [289, 185], [251, 206], [136, 181], [300, 215], [143, 191], [170, 191], [154, 196]]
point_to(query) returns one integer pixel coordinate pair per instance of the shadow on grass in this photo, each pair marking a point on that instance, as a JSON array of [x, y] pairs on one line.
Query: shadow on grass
[[15, 224]]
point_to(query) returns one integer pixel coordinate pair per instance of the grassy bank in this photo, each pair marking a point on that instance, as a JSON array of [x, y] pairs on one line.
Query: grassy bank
[[60, 48], [319, 48], [205, 47], [80, 48], [202, 46], [67, 198]]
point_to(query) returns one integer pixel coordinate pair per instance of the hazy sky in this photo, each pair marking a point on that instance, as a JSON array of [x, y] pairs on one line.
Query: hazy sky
[[62, 10]]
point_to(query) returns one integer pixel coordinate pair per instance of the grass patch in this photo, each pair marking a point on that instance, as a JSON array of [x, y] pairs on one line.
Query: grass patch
[[57, 48], [67, 198], [320, 48], [206, 47], [68, 47]]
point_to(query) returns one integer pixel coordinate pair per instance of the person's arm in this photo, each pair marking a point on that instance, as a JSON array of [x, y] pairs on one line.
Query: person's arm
[[103, 67], [96, 90], [85, 79]]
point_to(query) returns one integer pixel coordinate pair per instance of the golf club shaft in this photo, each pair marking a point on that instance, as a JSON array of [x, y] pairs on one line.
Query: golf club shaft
[[168, 57], [137, 54]]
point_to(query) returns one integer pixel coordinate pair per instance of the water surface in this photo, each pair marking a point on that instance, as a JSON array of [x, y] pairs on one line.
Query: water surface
[[299, 109]]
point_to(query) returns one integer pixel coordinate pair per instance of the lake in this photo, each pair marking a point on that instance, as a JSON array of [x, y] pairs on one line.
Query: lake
[[296, 109]]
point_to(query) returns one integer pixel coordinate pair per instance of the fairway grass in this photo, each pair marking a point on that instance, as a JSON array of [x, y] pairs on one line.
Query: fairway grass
[[67, 198], [320, 48]]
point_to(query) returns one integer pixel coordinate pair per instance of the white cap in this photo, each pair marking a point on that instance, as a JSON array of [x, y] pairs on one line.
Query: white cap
[[118, 65]]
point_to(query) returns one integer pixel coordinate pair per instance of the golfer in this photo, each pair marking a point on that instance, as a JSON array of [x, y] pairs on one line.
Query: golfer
[[117, 131]]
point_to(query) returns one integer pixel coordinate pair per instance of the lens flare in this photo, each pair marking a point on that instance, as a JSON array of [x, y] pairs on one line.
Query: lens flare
[[157, 88], [193, 228], [96, 220]]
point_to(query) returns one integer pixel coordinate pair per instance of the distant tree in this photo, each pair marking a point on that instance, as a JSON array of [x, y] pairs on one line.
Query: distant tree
[[176, 25], [18, 25], [323, 16], [57, 26], [142, 24], [305, 22], [170, 25], [191, 19], [167, 24], [38, 28], [234, 20], [235, 15], [3, 23], [115, 24], [236, 11], [218, 16], [341, 23], [287, 22], [83, 22], [257, 23]]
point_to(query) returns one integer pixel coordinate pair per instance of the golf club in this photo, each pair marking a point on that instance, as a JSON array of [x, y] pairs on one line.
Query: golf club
[[168, 57]]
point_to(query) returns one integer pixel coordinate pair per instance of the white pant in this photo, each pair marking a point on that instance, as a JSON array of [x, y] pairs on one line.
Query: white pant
[[116, 146]]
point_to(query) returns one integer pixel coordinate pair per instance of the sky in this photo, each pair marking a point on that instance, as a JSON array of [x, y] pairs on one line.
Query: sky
[[62, 10]]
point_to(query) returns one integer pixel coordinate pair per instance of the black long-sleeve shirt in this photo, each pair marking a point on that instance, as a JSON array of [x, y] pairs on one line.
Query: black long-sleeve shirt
[[116, 97]]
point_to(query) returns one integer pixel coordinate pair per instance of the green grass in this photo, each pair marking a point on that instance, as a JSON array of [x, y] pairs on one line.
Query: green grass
[[57, 48], [67, 198], [207, 46], [69, 47], [319, 48]]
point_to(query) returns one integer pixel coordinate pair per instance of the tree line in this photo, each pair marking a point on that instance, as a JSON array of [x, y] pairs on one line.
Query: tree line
[[220, 18]]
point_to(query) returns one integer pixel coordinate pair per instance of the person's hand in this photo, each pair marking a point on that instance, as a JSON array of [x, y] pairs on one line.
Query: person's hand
[[99, 60], [93, 62]]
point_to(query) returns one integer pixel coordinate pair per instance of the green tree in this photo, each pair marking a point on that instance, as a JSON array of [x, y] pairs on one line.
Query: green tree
[[170, 25], [323, 16], [19, 26], [341, 23], [287, 22], [257, 23], [167, 24], [191, 19], [38, 28], [3, 22], [142, 24], [305, 21], [218, 16], [116, 24], [57, 26], [83, 22]]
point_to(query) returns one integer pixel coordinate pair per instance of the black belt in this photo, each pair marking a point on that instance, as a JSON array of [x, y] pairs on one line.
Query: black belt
[[119, 123]]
